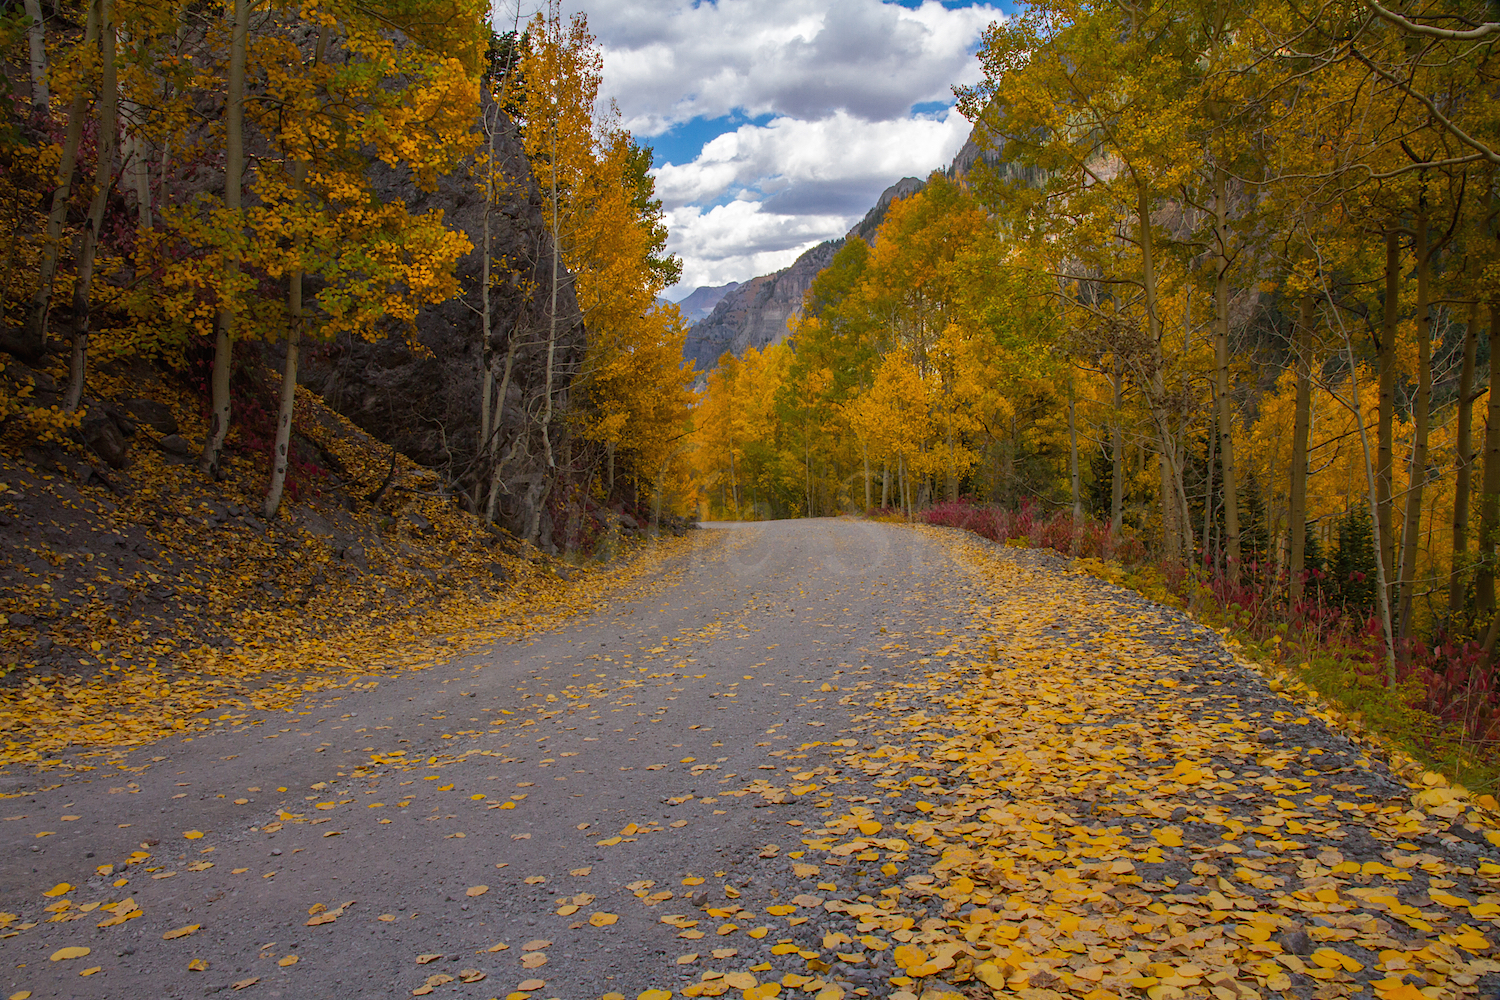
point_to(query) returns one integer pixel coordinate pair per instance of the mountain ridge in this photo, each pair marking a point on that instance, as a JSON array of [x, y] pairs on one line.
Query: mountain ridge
[[755, 313]]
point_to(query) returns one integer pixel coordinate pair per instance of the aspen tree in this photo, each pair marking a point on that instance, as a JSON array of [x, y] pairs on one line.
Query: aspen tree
[[88, 239], [1463, 463], [1421, 417], [33, 341], [36, 39], [286, 405], [1297, 518], [234, 177]]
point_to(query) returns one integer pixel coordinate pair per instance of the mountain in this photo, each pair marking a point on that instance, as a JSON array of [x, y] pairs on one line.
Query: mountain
[[754, 314], [866, 228], [702, 300]]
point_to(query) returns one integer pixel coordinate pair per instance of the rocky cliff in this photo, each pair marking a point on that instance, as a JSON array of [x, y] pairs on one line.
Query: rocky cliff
[[698, 305], [755, 313], [425, 398]]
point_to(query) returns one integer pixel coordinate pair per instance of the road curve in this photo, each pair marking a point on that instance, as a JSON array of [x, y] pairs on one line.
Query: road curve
[[381, 842]]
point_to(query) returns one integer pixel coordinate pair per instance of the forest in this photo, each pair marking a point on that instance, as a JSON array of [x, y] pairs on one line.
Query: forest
[[1222, 292], [415, 215]]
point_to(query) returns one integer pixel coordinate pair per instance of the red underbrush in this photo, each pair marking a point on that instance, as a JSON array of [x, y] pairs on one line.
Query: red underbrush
[[1441, 706]]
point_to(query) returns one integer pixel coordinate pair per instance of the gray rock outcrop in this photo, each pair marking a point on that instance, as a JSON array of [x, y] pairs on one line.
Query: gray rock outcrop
[[425, 398], [755, 314]]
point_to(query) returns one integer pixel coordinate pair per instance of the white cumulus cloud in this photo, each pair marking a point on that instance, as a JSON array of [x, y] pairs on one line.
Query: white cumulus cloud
[[666, 63], [831, 85], [794, 184]]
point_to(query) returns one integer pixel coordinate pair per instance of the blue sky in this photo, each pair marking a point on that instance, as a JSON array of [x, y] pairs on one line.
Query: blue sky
[[777, 123]]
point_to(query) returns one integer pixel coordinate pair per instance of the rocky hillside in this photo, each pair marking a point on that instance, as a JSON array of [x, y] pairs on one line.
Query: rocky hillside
[[701, 302], [425, 398], [755, 313]]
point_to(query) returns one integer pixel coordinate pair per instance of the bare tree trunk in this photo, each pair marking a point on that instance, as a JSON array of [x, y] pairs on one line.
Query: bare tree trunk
[[1464, 463], [1117, 449], [1489, 487], [36, 35], [1372, 495], [885, 485], [552, 318], [234, 176], [33, 340], [1208, 499], [487, 378], [1221, 359], [1420, 418], [495, 466], [1385, 522], [864, 450], [1074, 481], [1297, 511], [1173, 528], [88, 240]]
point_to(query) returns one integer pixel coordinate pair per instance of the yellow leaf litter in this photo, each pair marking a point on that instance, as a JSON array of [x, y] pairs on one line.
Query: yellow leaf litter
[[1104, 834], [137, 700]]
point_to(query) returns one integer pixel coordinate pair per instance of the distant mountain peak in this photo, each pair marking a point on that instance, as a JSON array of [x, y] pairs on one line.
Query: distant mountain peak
[[698, 303], [755, 313]]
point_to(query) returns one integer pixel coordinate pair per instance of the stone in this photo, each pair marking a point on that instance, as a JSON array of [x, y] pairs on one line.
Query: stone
[[157, 416], [176, 444], [103, 435], [755, 313]]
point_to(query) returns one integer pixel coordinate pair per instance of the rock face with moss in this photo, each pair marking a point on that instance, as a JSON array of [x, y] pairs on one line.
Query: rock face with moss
[[424, 397]]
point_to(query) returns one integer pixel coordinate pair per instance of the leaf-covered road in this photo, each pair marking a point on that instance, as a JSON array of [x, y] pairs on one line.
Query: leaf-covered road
[[820, 758]]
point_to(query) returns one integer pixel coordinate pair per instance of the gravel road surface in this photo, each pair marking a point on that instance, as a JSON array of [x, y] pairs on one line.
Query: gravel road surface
[[581, 776]]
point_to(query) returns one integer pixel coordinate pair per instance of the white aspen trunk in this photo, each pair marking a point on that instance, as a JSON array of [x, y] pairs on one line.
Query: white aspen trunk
[[34, 337], [281, 452], [734, 482], [1225, 406], [1373, 495], [864, 450], [494, 497], [1464, 462], [1075, 482], [234, 175], [281, 455], [133, 156], [552, 319], [88, 240], [1385, 520], [1421, 419], [1117, 449], [486, 361], [36, 36], [1301, 423]]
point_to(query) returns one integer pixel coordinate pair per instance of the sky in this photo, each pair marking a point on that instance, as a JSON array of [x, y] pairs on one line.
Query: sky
[[777, 123]]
